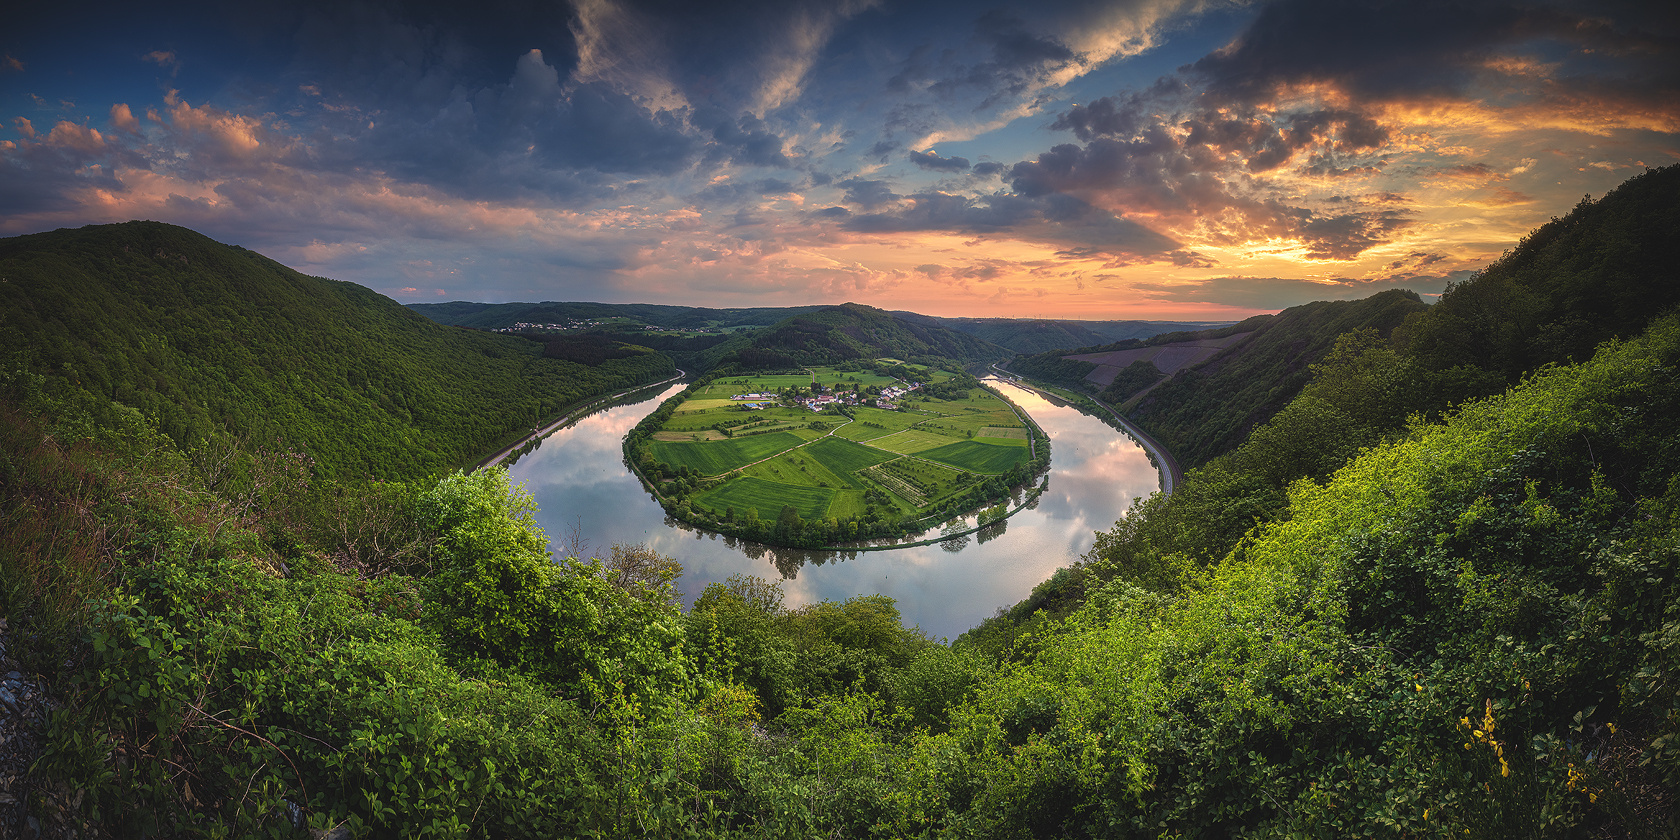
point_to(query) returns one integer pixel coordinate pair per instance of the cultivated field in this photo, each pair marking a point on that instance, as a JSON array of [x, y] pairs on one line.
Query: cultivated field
[[716, 457], [767, 497], [988, 458], [866, 462]]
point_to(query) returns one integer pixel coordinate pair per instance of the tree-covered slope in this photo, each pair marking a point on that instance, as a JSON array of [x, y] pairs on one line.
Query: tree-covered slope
[[495, 316], [1210, 408], [1041, 335], [1019, 335], [1468, 631], [208, 340], [852, 331], [1603, 270]]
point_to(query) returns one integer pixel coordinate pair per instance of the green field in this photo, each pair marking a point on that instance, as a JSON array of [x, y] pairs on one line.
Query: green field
[[798, 467], [767, 497], [715, 457], [912, 441], [874, 422], [844, 456], [694, 415], [988, 458], [871, 467]]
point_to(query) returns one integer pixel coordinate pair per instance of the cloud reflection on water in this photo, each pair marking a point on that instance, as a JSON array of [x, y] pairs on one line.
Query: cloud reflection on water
[[578, 476]]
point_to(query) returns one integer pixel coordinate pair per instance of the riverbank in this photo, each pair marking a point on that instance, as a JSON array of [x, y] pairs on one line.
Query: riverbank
[[1171, 474], [543, 431]]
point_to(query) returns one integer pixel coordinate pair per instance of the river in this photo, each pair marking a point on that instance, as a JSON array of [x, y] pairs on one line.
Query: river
[[578, 478]]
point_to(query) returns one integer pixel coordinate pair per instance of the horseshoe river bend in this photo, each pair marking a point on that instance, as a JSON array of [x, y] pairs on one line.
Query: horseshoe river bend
[[584, 491]]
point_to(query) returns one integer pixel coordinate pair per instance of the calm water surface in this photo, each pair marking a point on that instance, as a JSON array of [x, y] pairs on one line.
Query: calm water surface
[[578, 478]]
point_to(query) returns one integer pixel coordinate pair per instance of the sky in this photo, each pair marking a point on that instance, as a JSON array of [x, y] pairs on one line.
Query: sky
[[1154, 159]]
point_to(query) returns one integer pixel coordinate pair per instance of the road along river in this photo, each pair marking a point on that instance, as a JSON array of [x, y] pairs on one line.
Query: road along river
[[578, 478]]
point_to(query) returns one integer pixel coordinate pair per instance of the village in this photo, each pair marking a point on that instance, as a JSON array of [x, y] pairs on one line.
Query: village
[[585, 324], [818, 401]]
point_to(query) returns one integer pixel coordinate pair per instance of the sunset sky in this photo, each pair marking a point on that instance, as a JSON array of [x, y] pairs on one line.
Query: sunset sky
[[1168, 159]]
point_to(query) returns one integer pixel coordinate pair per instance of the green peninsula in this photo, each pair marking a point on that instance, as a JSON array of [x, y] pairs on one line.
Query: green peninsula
[[826, 454]]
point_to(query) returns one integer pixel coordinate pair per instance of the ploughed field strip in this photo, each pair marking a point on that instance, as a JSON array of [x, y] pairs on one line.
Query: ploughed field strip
[[756, 445]]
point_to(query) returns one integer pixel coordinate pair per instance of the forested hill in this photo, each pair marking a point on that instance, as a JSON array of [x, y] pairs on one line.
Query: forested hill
[[1038, 335], [212, 343], [495, 316], [853, 331], [1210, 408], [1602, 271]]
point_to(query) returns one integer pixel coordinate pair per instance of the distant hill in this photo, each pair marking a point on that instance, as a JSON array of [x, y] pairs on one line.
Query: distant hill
[[1211, 407], [496, 316], [854, 331], [1018, 334], [213, 341], [1038, 335], [1232, 378]]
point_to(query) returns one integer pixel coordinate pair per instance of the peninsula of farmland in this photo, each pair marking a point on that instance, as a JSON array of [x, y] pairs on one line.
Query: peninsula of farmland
[[824, 454]]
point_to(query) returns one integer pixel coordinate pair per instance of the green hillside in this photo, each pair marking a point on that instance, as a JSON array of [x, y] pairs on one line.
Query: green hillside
[[1602, 271], [1041, 335], [211, 341], [495, 316], [1211, 407], [852, 331]]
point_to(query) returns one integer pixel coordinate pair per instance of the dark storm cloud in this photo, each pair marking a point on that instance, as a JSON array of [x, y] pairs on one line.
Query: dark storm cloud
[[932, 161], [990, 168], [1187, 146], [1015, 48], [1105, 117], [944, 211], [729, 193], [526, 138], [1266, 141]]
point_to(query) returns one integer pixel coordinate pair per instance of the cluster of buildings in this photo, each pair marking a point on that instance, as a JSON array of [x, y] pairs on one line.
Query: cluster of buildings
[[890, 394], [592, 323], [526, 326], [888, 398]]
